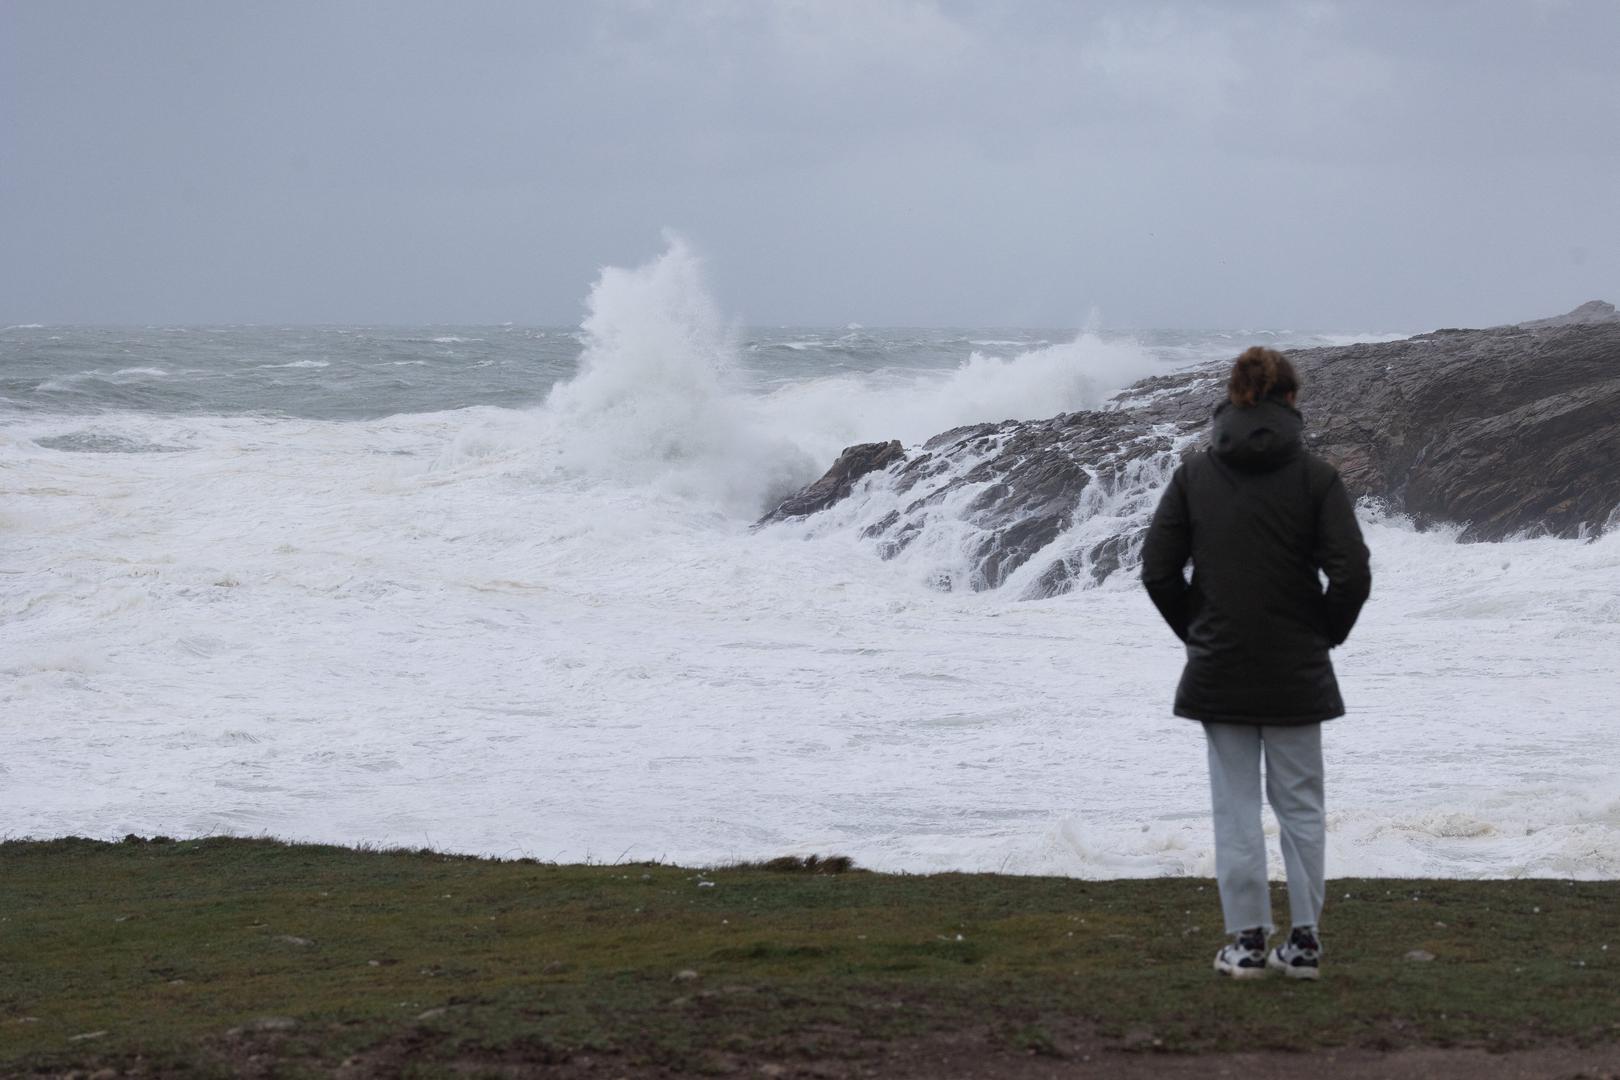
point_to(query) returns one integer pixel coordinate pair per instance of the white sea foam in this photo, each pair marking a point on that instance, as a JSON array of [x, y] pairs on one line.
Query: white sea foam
[[825, 414], [491, 659], [300, 364], [550, 632]]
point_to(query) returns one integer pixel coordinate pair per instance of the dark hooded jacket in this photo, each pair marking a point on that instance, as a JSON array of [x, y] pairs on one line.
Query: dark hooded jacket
[[1257, 516]]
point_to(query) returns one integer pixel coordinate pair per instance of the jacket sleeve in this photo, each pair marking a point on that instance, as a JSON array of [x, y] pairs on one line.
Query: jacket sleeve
[[1165, 553], [1342, 556]]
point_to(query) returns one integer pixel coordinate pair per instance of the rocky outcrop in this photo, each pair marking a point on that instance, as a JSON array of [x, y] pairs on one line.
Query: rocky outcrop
[[1507, 431], [854, 463], [1017, 486], [1590, 312]]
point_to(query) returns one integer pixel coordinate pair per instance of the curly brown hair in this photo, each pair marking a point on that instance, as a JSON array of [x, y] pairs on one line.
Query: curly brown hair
[[1261, 373]]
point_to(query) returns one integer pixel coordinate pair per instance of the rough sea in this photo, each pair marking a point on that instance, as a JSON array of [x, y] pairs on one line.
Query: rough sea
[[493, 589]]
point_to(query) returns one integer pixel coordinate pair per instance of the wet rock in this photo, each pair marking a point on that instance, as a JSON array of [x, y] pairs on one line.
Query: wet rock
[[854, 463], [1502, 431], [1013, 489], [1505, 431]]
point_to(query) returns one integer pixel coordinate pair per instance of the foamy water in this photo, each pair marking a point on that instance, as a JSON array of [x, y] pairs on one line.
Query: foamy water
[[547, 630]]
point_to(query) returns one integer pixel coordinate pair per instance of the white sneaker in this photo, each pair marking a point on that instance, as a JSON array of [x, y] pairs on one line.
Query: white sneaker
[[1245, 957], [1300, 957]]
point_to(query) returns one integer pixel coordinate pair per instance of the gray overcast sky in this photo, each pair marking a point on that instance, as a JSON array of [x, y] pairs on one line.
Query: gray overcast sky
[[1354, 165]]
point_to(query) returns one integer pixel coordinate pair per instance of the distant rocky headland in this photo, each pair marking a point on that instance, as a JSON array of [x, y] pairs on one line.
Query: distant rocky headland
[[1502, 432]]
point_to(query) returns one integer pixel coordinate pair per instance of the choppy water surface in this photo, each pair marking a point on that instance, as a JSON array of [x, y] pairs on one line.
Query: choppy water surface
[[492, 589]]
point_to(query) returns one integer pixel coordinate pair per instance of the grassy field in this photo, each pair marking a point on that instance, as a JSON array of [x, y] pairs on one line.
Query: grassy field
[[239, 957]]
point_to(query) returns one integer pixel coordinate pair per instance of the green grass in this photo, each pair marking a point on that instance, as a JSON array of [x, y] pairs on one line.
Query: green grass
[[198, 955]]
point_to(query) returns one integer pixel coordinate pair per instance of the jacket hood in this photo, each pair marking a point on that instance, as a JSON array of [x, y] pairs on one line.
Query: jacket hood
[[1260, 438]]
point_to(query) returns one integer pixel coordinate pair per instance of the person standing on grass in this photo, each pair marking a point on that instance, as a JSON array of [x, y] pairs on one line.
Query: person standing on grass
[[1258, 517]]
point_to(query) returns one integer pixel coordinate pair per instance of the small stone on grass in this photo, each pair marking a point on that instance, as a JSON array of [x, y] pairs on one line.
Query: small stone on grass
[[274, 1023]]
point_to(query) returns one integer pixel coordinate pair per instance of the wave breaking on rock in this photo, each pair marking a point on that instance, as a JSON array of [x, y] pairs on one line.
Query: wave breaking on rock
[[1503, 432]]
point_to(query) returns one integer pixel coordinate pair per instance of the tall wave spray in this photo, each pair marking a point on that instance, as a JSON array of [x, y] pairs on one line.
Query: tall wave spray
[[657, 400], [829, 413]]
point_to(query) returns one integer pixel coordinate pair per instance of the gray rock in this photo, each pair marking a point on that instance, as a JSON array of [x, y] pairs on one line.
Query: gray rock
[[1420, 956], [1589, 312], [1507, 431], [1501, 431], [854, 463], [1027, 479]]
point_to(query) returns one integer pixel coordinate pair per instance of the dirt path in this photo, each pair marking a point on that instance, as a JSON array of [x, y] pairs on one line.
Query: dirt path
[[959, 1058]]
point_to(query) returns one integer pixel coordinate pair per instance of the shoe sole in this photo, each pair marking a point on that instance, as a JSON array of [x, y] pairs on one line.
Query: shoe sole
[[1233, 972], [1273, 963]]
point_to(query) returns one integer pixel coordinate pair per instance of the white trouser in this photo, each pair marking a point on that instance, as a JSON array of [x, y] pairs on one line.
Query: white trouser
[[1294, 790]]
